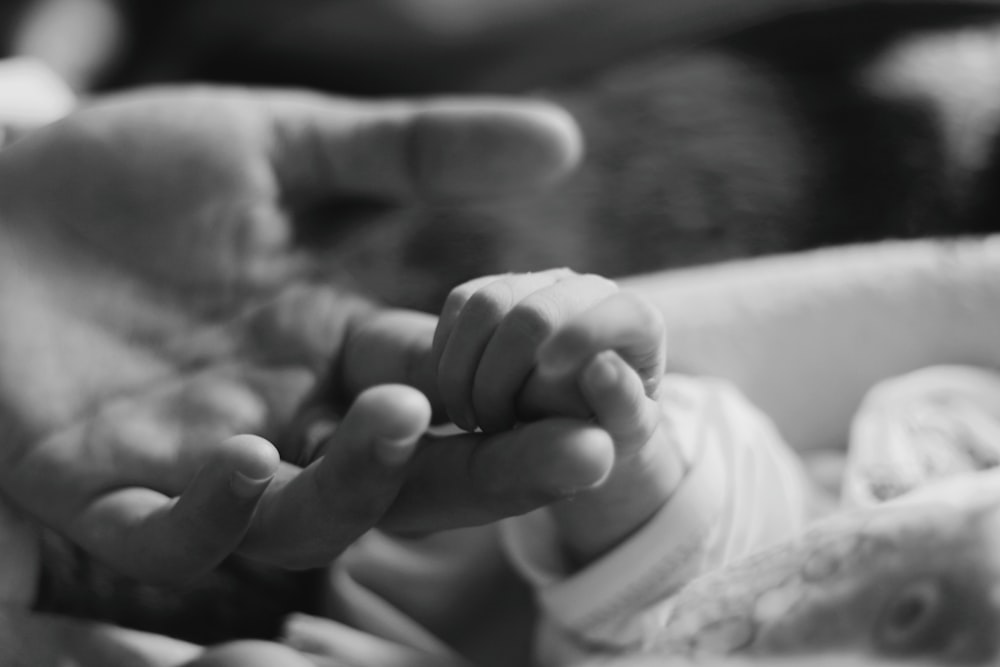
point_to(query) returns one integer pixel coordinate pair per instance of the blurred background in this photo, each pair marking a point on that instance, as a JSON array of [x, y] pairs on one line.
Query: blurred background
[[714, 129]]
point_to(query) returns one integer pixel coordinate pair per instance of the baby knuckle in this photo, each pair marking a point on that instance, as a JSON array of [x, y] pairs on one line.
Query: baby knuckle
[[462, 293], [600, 284], [533, 322], [458, 296], [560, 273], [492, 301], [651, 315]]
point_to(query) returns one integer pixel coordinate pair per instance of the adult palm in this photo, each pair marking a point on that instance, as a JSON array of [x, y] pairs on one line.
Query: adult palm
[[158, 298]]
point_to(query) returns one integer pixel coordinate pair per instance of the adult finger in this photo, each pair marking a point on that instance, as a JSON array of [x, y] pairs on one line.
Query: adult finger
[[473, 479], [43, 640], [509, 359], [153, 537], [255, 653], [438, 149], [308, 517], [624, 323], [151, 483], [345, 346], [323, 637], [470, 317], [341, 337], [459, 297]]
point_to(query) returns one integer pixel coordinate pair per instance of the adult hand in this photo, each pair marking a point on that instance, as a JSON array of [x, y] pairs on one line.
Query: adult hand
[[311, 641], [158, 298], [42, 640]]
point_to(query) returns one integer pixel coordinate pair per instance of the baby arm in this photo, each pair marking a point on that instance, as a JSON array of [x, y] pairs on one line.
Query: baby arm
[[699, 477]]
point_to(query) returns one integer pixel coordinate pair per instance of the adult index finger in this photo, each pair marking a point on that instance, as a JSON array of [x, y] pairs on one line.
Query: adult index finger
[[473, 478]]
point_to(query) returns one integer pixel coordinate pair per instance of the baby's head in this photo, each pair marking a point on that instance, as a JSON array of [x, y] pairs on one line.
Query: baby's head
[[914, 580]]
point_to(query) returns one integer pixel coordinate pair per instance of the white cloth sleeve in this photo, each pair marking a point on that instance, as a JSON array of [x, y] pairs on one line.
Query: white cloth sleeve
[[744, 490]]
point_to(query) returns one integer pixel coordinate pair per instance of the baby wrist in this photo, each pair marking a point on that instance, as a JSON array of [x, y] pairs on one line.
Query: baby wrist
[[595, 522]]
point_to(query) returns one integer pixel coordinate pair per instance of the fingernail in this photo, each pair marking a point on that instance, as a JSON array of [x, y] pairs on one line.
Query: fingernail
[[394, 452], [320, 638], [602, 372], [248, 487], [298, 633], [465, 420]]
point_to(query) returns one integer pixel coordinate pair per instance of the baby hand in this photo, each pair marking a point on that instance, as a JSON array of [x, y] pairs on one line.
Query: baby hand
[[508, 348], [517, 347]]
